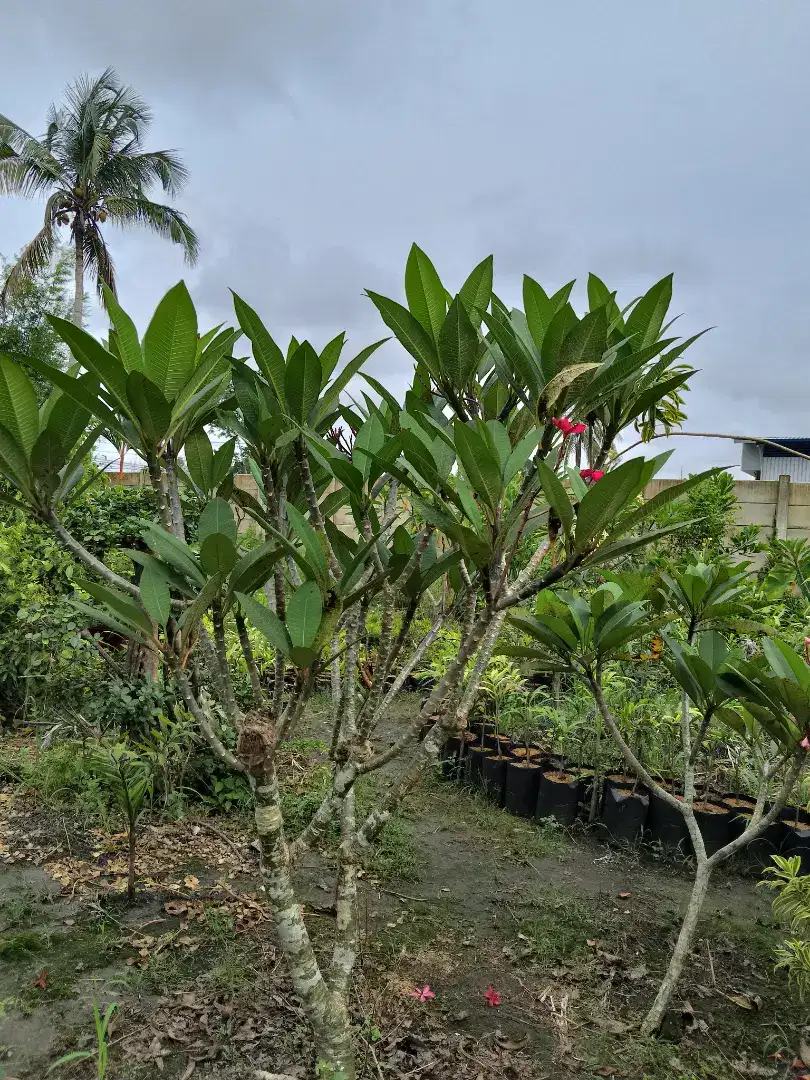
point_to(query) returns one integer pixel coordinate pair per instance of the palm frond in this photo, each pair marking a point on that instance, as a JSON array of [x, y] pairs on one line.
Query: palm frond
[[163, 220], [131, 175], [98, 260], [34, 258]]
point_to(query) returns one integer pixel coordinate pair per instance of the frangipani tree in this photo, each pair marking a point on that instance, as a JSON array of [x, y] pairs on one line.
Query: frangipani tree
[[443, 486], [583, 635]]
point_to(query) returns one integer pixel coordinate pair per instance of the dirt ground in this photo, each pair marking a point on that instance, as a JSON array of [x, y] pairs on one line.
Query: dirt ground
[[571, 934]]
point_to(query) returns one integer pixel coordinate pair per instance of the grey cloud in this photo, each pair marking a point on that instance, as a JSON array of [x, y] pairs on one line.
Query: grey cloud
[[324, 137]]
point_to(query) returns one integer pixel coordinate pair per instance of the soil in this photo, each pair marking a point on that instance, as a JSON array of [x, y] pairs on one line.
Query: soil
[[573, 935], [559, 777], [709, 808]]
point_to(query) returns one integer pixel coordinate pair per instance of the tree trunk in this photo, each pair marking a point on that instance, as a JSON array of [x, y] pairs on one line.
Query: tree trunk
[[325, 1010], [78, 273], [652, 1021]]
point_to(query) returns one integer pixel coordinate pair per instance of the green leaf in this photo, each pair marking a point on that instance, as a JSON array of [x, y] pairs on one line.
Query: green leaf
[[599, 295], [340, 382], [223, 460], [218, 553], [312, 542], [427, 299], [653, 505], [562, 380], [304, 612], [13, 463], [77, 389], [522, 453], [92, 355], [301, 657], [476, 291], [587, 341], [253, 568], [480, 464], [558, 329], [217, 517], [557, 496], [150, 406], [122, 605], [369, 440], [155, 595], [302, 382], [196, 610], [538, 309], [266, 622], [200, 459], [170, 342], [101, 615], [129, 347], [606, 499], [330, 354], [48, 456], [646, 319], [67, 421], [458, 345], [172, 550], [407, 330], [268, 356], [19, 414]]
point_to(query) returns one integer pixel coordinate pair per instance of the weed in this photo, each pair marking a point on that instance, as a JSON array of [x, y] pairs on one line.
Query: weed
[[101, 1052], [396, 856]]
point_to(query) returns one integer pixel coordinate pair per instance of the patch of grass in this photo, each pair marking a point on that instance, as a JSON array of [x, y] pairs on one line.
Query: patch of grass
[[21, 945], [233, 970], [396, 856], [558, 926]]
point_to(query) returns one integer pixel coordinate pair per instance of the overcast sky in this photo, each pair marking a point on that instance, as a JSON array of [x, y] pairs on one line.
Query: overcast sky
[[324, 136]]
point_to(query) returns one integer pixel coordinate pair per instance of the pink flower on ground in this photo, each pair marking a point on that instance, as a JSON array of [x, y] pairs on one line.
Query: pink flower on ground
[[425, 994], [493, 996]]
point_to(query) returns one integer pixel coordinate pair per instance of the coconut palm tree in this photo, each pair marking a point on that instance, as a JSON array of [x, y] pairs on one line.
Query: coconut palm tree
[[92, 168]]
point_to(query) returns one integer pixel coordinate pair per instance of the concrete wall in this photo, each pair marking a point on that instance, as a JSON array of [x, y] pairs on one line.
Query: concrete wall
[[343, 518], [779, 507]]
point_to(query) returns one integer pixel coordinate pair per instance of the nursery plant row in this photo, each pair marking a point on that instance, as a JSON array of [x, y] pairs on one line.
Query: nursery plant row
[[526, 780]]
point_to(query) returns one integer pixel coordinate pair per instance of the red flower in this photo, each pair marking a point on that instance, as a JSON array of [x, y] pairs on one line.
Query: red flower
[[577, 429], [563, 424], [425, 994], [493, 996], [591, 474]]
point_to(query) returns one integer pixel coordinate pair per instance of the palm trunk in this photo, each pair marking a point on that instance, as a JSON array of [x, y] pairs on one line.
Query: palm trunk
[[78, 273], [652, 1021]]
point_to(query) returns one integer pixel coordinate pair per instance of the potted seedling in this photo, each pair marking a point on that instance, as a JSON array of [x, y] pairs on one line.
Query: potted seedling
[[524, 770]]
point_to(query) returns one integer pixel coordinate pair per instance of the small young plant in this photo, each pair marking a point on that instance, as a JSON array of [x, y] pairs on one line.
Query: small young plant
[[791, 906], [101, 1051], [500, 680], [127, 775]]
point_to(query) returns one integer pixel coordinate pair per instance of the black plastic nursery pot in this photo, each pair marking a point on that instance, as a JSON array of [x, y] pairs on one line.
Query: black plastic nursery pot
[[665, 825], [450, 757], [553, 763], [493, 776], [713, 819], [522, 784], [757, 854], [558, 796], [522, 753], [499, 743], [796, 837], [474, 765], [624, 811]]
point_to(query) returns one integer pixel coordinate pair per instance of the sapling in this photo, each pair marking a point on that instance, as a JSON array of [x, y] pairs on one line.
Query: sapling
[[127, 776], [586, 634]]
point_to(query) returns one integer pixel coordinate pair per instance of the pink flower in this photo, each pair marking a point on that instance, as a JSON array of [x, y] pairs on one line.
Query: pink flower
[[563, 424], [591, 474], [493, 996], [425, 994], [577, 429], [805, 743]]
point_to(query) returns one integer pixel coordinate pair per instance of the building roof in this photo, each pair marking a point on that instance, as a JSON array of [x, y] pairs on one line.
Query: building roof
[[799, 442]]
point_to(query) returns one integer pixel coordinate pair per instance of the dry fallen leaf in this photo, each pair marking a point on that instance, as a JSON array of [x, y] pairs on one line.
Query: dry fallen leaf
[[752, 1003], [191, 882]]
